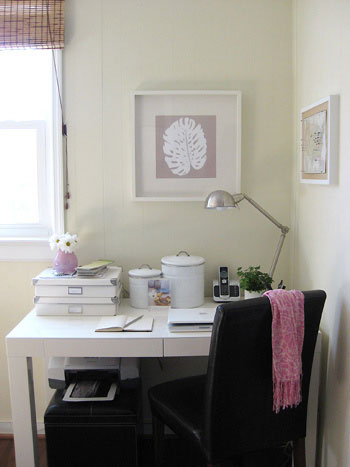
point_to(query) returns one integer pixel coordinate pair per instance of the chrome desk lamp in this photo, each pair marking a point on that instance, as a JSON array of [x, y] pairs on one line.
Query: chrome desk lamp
[[220, 200]]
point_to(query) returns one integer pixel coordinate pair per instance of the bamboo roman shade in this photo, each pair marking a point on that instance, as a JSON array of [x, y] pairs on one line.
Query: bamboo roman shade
[[35, 24]]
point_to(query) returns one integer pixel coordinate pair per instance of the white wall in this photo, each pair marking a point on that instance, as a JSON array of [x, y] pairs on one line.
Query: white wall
[[123, 46], [321, 248], [114, 47]]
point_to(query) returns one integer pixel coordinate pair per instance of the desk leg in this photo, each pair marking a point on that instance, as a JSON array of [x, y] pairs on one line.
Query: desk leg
[[23, 411]]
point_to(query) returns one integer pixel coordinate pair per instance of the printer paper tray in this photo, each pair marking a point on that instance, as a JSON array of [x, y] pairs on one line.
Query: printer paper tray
[[70, 397]]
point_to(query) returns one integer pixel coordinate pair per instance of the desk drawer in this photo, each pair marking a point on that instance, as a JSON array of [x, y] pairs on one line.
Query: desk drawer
[[106, 346], [185, 346]]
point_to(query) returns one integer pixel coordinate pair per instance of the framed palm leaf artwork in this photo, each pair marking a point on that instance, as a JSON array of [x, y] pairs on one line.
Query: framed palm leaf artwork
[[186, 144]]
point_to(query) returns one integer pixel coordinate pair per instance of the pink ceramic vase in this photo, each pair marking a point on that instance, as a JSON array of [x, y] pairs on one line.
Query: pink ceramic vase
[[65, 263]]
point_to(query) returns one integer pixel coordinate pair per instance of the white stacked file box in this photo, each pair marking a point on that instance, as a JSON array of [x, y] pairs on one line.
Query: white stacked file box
[[74, 295]]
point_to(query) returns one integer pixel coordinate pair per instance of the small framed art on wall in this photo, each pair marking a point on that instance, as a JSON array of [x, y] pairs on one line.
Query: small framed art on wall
[[319, 141]]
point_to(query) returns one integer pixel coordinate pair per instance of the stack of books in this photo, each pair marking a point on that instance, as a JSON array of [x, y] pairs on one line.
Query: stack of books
[[96, 268]]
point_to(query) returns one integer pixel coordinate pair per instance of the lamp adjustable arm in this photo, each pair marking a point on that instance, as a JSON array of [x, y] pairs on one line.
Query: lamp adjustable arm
[[283, 228]]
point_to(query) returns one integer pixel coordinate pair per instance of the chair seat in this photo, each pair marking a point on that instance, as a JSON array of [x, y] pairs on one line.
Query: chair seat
[[181, 401]]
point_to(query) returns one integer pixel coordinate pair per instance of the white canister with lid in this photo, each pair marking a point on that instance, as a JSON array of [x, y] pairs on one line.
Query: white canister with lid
[[138, 284], [186, 274]]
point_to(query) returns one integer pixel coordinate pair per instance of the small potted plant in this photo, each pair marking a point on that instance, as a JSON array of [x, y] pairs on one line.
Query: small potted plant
[[65, 261], [253, 281]]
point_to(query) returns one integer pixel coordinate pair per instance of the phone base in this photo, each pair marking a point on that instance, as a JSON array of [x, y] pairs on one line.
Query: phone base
[[234, 292]]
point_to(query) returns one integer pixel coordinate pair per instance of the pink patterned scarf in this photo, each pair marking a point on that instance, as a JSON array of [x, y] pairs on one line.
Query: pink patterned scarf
[[287, 344]]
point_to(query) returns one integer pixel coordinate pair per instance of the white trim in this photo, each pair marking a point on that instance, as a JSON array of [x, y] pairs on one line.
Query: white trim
[[30, 249], [58, 196], [19, 231], [6, 428]]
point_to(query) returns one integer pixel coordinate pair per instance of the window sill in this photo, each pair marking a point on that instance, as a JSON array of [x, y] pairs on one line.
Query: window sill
[[24, 249]]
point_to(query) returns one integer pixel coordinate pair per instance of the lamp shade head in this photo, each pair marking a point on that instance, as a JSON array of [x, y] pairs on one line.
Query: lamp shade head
[[220, 199]]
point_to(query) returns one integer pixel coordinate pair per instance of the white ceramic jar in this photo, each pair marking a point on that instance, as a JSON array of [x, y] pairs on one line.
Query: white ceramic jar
[[186, 275], [138, 284]]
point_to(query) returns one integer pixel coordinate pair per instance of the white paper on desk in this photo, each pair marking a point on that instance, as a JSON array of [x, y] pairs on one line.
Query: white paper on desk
[[50, 273], [118, 324]]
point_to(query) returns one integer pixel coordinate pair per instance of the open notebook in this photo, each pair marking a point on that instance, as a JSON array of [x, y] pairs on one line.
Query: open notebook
[[122, 323]]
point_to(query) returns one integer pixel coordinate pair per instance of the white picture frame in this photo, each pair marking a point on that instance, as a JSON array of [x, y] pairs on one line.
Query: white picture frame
[[158, 157], [319, 129]]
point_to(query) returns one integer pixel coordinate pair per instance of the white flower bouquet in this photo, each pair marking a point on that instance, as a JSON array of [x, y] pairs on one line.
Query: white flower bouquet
[[64, 242]]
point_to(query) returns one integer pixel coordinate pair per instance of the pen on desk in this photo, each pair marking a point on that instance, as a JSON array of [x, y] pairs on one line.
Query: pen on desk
[[133, 321]]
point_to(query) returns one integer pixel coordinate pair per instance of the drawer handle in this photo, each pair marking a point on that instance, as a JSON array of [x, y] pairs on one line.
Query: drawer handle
[[75, 291], [75, 310]]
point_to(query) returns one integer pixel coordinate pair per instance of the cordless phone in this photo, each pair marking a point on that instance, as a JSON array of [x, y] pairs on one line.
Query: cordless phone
[[224, 286], [224, 289]]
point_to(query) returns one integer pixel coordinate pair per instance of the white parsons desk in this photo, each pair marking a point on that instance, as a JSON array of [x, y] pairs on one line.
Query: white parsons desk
[[74, 336]]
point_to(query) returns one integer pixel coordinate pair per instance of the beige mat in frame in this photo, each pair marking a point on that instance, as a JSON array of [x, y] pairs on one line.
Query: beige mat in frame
[[319, 127]]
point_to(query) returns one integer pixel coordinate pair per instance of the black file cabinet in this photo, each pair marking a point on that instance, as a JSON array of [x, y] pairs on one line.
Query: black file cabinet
[[94, 434]]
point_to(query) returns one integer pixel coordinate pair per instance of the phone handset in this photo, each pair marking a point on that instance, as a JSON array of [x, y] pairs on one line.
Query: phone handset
[[224, 284]]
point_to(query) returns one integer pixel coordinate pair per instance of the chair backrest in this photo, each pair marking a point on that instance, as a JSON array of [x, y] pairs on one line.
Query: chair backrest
[[238, 414]]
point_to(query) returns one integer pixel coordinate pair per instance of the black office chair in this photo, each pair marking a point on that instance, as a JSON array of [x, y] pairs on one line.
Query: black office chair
[[227, 413]]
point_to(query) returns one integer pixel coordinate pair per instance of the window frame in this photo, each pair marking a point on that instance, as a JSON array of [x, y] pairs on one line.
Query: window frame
[[34, 248]]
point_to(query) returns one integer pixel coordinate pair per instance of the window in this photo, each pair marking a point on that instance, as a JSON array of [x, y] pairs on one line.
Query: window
[[31, 206]]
